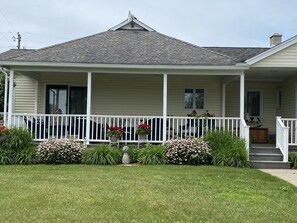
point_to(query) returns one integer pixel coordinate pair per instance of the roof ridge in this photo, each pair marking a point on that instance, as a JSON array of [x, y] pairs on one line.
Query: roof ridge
[[223, 55]]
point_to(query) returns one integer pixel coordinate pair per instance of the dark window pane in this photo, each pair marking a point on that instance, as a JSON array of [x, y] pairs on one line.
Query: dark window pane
[[78, 100], [56, 99], [188, 98], [199, 96], [253, 103]]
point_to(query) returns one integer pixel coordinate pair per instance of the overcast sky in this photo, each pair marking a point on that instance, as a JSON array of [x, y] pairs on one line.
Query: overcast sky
[[202, 22]]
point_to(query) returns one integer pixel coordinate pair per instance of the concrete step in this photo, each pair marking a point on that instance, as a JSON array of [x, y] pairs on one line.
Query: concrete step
[[270, 165], [268, 150], [265, 157]]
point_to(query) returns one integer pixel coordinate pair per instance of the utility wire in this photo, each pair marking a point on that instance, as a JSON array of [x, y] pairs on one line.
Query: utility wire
[[13, 29], [36, 34], [10, 43]]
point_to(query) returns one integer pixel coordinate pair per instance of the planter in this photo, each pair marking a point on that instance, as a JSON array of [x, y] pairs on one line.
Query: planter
[[114, 141], [142, 137]]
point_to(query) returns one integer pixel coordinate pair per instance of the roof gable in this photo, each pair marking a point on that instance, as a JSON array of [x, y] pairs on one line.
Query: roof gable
[[272, 51], [131, 23]]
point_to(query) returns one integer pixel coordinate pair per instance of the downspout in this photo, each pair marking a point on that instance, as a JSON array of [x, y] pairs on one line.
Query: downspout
[[5, 95]]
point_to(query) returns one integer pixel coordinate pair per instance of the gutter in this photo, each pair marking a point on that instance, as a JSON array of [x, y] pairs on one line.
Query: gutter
[[4, 70]]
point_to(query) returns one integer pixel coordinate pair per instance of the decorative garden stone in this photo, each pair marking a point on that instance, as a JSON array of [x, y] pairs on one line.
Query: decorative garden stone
[[126, 158]]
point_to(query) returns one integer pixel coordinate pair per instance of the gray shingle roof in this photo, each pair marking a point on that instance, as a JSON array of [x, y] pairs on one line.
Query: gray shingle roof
[[240, 53], [128, 47], [14, 53]]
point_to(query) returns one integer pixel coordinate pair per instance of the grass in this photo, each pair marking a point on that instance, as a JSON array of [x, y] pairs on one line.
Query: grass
[[82, 193]]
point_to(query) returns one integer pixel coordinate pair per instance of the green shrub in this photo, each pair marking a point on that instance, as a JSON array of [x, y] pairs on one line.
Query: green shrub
[[293, 159], [26, 156], [21, 139], [15, 145], [152, 155], [6, 157], [102, 155], [227, 150], [133, 153], [59, 151], [15, 138], [188, 151], [5, 138]]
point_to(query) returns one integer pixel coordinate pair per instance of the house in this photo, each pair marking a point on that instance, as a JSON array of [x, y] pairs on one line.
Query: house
[[132, 74]]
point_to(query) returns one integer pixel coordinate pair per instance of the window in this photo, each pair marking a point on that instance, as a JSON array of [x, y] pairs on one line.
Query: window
[[279, 98], [194, 99], [253, 102], [58, 97]]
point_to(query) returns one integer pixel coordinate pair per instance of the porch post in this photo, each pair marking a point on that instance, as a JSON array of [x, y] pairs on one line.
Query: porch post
[[89, 93], [10, 98], [36, 97], [5, 99], [224, 100], [241, 96], [164, 107]]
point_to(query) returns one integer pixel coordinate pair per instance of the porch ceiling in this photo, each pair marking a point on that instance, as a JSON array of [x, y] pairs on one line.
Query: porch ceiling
[[270, 74]]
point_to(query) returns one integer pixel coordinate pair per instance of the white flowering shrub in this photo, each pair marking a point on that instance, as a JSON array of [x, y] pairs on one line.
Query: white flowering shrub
[[188, 151], [59, 151]]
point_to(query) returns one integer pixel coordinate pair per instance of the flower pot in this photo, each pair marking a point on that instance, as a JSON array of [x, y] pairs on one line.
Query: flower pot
[[113, 139], [142, 137]]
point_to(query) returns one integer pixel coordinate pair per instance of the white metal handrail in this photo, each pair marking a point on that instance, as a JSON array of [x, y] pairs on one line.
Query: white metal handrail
[[282, 137]]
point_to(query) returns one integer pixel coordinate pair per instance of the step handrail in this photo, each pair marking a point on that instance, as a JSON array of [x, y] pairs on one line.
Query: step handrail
[[282, 138]]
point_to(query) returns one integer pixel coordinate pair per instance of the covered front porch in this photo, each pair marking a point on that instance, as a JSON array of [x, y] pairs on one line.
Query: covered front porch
[[125, 99]]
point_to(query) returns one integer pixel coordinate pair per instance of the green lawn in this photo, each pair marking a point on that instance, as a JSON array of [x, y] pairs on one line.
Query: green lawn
[[80, 193]]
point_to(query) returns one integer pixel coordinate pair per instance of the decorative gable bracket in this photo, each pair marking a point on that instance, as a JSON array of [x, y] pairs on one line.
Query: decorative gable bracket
[[131, 23]]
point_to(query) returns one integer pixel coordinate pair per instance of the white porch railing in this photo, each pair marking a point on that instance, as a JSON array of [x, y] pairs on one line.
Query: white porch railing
[[184, 127], [282, 136], [292, 134], [44, 126]]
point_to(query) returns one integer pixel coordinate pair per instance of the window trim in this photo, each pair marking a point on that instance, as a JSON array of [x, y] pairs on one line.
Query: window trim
[[194, 99], [261, 101]]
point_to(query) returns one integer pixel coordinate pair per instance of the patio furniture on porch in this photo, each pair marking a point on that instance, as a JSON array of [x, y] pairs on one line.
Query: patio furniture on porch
[[97, 130], [36, 127]]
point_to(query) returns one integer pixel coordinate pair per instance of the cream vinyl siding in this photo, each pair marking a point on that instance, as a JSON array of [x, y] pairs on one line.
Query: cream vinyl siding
[[212, 94], [69, 79], [284, 58], [125, 94], [268, 101], [289, 102], [24, 94]]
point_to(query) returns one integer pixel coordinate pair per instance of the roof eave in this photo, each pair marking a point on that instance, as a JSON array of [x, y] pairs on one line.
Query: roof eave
[[136, 67]]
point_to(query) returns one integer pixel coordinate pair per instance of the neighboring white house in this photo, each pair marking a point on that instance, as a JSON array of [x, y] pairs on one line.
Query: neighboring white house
[[132, 74]]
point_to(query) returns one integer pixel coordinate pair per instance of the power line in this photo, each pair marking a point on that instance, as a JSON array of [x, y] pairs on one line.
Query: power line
[[36, 34], [10, 43], [13, 29], [18, 38]]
